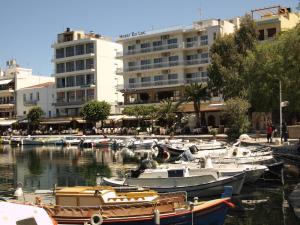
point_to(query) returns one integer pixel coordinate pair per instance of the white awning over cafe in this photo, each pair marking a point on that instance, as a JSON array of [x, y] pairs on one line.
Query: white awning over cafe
[[2, 82]]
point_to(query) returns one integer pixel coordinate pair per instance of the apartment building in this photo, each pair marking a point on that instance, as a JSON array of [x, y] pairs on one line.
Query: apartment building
[[85, 69], [270, 21], [42, 95], [158, 64], [12, 79]]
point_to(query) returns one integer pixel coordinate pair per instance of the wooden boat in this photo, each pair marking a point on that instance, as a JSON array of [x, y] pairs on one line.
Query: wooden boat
[[197, 182], [99, 142], [103, 205]]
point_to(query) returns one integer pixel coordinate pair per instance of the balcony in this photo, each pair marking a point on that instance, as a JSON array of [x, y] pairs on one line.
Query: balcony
[[151, 66], [161, 83], [150, 49], [196, 44], [7, 104], [68, 103], [196, 61], [156, 101], [6, 91], [30, 102], [72, 58]]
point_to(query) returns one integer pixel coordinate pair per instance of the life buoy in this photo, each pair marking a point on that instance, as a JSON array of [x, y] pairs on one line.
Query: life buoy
[[96, 219]]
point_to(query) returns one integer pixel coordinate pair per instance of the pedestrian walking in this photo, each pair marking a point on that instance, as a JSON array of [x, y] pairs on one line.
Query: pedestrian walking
[[269, 133], [284, 133]]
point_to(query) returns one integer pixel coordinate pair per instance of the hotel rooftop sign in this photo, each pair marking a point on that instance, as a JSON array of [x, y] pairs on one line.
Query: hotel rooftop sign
[[132, 34]]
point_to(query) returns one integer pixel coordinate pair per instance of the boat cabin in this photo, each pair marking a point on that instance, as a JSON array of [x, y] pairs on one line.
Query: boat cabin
[[100, 195]]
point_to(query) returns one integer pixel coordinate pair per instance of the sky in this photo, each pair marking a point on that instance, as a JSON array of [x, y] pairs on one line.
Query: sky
[[29, 27]]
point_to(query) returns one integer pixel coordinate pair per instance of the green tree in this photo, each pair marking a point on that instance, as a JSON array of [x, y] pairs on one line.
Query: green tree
[[34, 117], [235, 114], [196, 92], [140, 112], [95, 111], [227, 59], [167, 113]]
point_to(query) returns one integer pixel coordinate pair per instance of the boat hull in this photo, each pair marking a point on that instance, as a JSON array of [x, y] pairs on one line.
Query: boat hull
[[211, 215], [202, 190]]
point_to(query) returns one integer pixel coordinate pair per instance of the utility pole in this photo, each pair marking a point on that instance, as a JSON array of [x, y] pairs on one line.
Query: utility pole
[[280, 108]]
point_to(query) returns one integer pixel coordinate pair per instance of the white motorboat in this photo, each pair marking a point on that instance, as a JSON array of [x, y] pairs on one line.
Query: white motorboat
[[195, 181], [140, 143]]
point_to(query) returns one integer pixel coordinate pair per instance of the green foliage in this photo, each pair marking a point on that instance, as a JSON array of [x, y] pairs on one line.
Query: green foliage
[[227, 57], [34, 115], [235, 114], [140, 111], [95, 111], [167, 113], [196, 92]]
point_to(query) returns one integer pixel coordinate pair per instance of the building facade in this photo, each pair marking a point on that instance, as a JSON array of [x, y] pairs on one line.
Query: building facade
[[12, 79], [42, 95], [270, 21], [85, 69], [157, 65]]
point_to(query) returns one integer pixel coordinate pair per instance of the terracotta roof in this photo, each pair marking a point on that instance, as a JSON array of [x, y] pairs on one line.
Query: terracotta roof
[[41, 85]]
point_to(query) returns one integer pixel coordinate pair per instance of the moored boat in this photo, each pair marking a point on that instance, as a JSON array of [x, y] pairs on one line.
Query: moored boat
[[103, 205]]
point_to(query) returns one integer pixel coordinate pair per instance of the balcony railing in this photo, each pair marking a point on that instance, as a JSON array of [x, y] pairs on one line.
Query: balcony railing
[[150, 49], [135, 102], [163, 65], [159, 83], [30, 102], [65, 103], [196, 44]]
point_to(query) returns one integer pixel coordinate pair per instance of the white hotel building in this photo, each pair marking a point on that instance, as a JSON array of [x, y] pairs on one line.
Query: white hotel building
[[159, 63], [85, 69]]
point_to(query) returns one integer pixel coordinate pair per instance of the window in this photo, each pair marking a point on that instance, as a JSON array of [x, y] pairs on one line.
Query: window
[[145, 47], [70, 66], [89, 48], [191, 39], [173, 60], [80, 95], [157, 62], [69, 51], [60, 96], [24, 112], [60, 68], [31, 96], [60, 53], [261, 35], [157, 45], [24, 98], [131, 66], [79, 49], [38, 96], [204, 57], [80, 80], [271, 32], [172, 76], [215, 35], [145, 64], [89, 94], [145, 79], [79, 65], [60, 82], [172, 43], [131, 49], [158, 80], [70, 81], [70, 96], [89, 63], [90, 79], [49, 113], [132, 80], [204, 40]]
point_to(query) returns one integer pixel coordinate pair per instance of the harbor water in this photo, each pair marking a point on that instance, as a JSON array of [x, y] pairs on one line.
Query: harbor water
[[263, 203]]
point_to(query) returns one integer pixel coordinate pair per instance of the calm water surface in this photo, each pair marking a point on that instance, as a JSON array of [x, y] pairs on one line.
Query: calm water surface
[[43, 167]]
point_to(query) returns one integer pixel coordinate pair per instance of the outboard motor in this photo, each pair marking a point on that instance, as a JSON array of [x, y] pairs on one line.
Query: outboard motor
[[193, 149], [187, 156]]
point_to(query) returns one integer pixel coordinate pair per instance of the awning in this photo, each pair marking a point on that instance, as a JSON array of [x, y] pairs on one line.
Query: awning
[[5, 81], [115, 117], [4, 123], [55, 122]]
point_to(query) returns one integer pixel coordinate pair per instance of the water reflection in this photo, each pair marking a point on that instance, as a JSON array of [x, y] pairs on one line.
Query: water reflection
[[43, 167]]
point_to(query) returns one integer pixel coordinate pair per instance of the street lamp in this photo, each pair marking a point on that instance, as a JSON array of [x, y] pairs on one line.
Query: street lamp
[[281, 105]]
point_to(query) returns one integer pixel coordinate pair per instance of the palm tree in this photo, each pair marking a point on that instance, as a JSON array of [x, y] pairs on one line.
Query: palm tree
[[196, 92], [166, 113]]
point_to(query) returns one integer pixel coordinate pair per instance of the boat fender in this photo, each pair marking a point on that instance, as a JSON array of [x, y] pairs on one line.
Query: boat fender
[[156, 217], [96, 219]]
